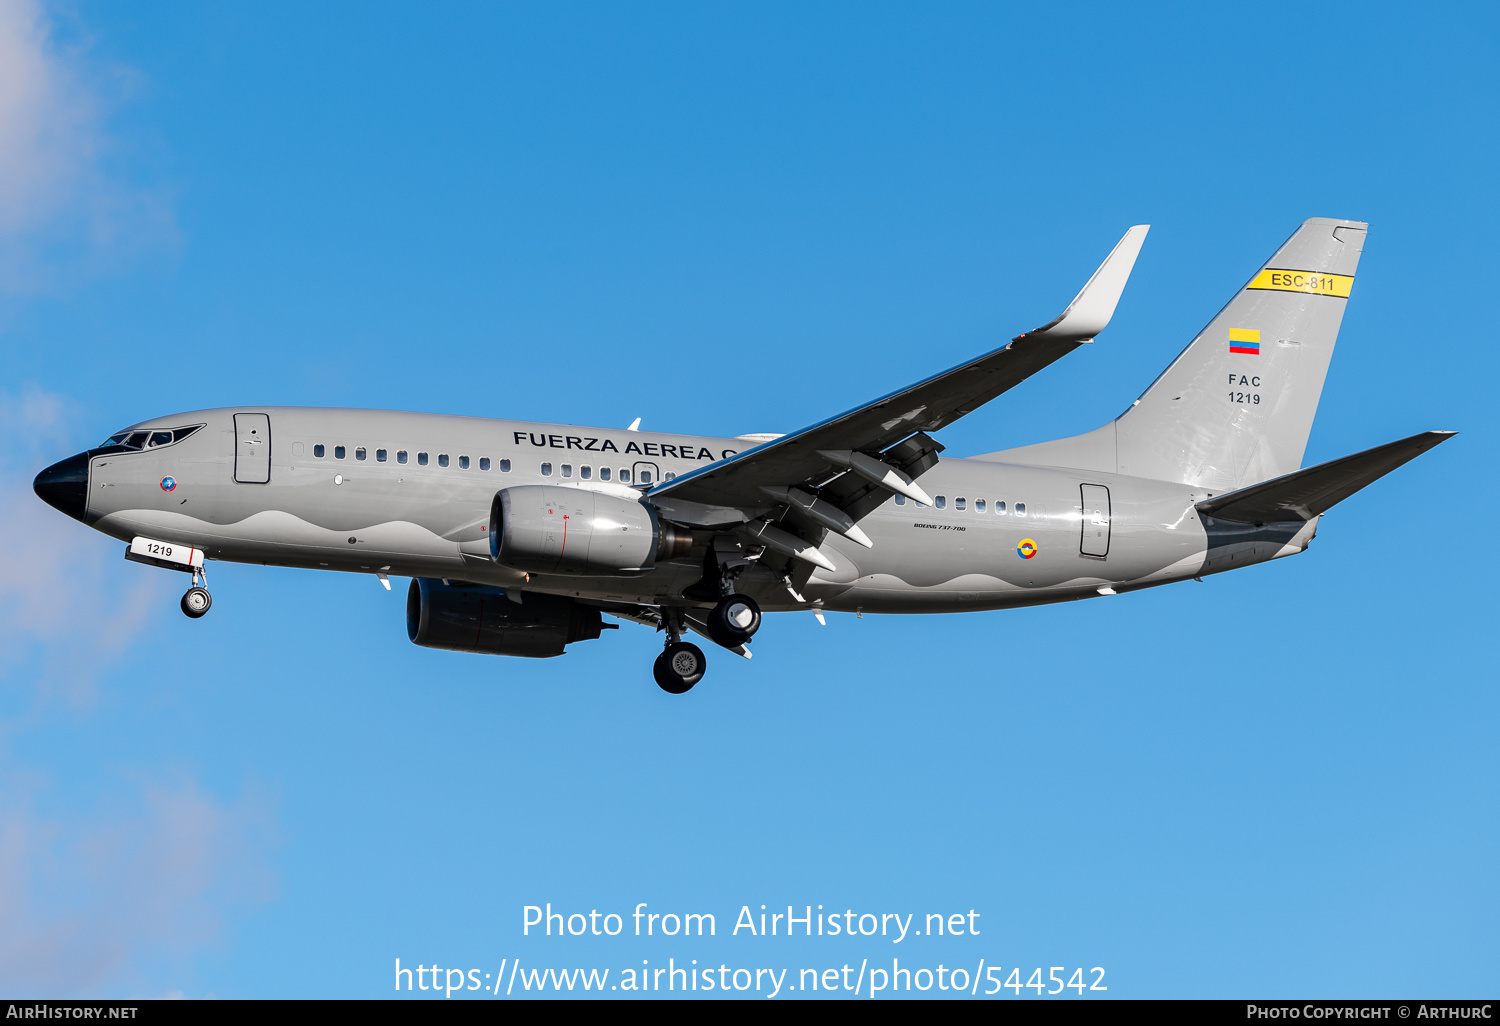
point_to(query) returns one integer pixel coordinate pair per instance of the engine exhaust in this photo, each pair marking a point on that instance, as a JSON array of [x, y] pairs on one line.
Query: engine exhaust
[[672, 540]]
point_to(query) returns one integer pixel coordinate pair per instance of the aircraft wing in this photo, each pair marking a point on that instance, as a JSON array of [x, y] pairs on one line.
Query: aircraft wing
[[861, 444]]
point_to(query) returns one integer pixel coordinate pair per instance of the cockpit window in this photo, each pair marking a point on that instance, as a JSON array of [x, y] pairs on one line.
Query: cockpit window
[[154, 438]]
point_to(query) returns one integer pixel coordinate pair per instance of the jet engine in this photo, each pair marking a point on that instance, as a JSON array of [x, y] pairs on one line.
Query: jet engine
[[551, 530], [477, 618]]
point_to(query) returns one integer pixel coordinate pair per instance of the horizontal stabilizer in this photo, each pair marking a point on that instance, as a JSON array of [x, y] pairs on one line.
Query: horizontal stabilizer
[[1305, 494]]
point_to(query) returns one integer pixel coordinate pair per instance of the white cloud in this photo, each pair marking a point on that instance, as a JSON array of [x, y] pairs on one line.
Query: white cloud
[[64, 200], [65, 206], [55, 574], [93, 904]]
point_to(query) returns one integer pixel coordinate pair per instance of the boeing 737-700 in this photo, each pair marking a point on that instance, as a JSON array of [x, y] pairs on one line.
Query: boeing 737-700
[[520, 537]]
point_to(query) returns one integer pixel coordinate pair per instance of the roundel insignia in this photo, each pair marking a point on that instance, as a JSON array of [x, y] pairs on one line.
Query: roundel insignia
[[1026, 549], [168, 483]]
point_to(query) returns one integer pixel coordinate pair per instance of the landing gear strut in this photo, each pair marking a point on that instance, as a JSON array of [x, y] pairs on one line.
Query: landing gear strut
[[197, 600], [682, 664]]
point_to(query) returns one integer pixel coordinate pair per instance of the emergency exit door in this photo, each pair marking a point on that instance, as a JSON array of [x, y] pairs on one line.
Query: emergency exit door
[[1096, 518], [252, 448]]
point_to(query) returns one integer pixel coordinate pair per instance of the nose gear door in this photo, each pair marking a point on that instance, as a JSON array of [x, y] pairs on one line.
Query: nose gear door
[[252, 448], [1095, 520]]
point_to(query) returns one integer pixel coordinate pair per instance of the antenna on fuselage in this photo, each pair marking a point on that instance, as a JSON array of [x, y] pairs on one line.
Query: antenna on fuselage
[[635, 425]]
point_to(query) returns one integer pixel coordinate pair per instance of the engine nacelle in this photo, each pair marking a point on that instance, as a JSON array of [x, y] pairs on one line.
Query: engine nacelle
[[477, 618], [550, 530]]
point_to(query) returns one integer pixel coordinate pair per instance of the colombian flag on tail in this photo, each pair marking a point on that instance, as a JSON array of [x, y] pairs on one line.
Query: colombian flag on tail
[[1244, 340]]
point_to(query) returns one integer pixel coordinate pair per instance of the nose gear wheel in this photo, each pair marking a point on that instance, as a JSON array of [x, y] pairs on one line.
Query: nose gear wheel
[[196, 602]]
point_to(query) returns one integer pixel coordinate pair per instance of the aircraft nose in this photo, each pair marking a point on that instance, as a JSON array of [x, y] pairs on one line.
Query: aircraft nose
[[65, 486]]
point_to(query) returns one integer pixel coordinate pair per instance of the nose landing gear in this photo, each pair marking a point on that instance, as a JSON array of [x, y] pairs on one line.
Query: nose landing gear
[[196, 601]]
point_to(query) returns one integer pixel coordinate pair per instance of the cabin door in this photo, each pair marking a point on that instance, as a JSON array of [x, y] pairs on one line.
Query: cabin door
[[252, 448], [1096, 519]]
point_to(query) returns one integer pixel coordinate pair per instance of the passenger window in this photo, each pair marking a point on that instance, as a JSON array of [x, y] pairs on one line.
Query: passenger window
[[484, 463], [442, 459], [1000, 508], [380, 455], [941, 502], [505, 466], [604, 473], [338, 452], [978, 505], [400, 455], [1020, 509], [567, 470], [161, 438], [585, 472], [645, 477], [901, 500], [624, 476], [463, 463], [359, 453], [318, 450], [546, 470], [669, 475], [421, 459], [958, 503]]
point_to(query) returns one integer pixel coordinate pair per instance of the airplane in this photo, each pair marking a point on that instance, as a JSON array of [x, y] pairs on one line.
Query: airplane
[[520, 537]]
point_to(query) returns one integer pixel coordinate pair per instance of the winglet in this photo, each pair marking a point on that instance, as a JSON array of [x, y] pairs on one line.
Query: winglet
[[1095, 303]]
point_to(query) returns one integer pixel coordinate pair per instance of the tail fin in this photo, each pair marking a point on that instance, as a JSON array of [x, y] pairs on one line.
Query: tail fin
[[1237, 404]]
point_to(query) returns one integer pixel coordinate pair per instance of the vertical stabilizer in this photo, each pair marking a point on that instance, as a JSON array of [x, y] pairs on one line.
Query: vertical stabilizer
[[1237, 405]]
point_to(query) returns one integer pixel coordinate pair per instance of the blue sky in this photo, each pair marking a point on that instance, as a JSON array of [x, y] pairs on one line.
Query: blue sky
[[729, 219]]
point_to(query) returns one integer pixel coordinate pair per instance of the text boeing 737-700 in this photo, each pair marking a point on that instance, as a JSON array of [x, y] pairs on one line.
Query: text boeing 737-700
[[518, 536]]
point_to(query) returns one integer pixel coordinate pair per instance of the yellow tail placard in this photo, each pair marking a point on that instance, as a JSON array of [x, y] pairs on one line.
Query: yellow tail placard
[[1315, 282]]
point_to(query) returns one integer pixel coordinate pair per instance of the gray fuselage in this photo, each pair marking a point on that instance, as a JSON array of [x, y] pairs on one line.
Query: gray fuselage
[[410, 494]]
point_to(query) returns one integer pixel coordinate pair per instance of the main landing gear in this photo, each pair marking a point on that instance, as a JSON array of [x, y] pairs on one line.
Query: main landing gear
[[197, 600], [734, 620], [679, 667], [731, 623]]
